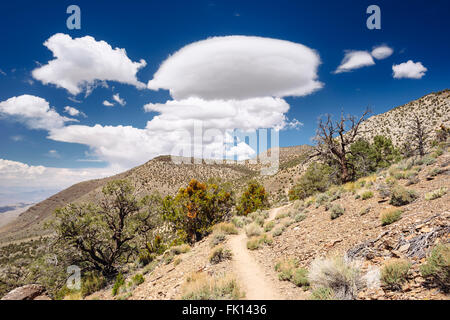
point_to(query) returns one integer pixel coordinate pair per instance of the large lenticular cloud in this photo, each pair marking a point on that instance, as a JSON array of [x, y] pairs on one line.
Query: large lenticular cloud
[[239, 67]]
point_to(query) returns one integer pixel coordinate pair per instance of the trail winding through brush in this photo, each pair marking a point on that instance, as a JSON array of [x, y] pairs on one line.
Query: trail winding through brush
[[256, 283]]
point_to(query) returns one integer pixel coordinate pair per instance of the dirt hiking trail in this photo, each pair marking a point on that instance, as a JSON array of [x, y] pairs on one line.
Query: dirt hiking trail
[[256, 283]]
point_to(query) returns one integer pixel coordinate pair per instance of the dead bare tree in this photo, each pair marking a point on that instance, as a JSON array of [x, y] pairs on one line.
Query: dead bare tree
[[333, 138], [419, 135]]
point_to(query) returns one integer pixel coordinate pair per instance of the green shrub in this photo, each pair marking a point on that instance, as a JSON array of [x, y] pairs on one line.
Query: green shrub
[[150, 267], [259, 221], [299, 217], [278, 231], [92, 282], [120, 281], [138, 279], [145, 257], [436, 193], [322, 293], [367, 195], [177, 261], [240, 221], [426, 160], [226, 227], [367, 157], [322, 198], [395, 272], [300, 278], [87, 228], [286, 269], [315, 179], [196, 208], [183, 248], [390, 215], [281, 215], [269, 226], [365, 211], [266, 239], [401, 196], [219, 254], [437, 266], [253, 230], [336, 211], [253, 243], [217, 237], [253, 198], [201, 286]]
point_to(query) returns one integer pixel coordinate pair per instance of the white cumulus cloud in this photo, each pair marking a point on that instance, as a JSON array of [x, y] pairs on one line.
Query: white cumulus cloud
[[32, 111], [410, 69], [382, 52], [239, 67], [81, 62], [354, 60]]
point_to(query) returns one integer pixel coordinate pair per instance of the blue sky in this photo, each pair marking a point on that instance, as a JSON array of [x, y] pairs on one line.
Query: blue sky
[[153, 30]]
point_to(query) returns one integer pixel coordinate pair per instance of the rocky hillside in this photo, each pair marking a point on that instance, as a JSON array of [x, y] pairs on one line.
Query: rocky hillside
[[266, 255], [433, 109]]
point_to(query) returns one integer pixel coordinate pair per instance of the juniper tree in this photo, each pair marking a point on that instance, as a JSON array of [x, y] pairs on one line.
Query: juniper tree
[[334, 138]]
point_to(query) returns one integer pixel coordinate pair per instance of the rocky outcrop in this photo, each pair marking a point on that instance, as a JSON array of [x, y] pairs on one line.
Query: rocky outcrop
[[27, 292]]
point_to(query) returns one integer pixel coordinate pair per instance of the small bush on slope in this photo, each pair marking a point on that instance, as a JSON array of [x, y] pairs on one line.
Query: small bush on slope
[[394, 273], [183, 248], [138, 279], [300, 278], [286, 268], [201, 286], [217, 237], [436, 194], [92, 282], [120, 281], [253, 230], [226, 227], [367, 195], [437, 267], [341, 276], [390, 215], [219, 254], [336, 211], [401, 196], [269, 226], [255, 242], [322, 293]]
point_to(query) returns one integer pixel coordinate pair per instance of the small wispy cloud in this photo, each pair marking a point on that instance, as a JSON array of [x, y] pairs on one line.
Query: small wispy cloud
[[119, 100], [355, 60], [382, 52], [74, 112], [53, 154], [17, 138], [107, 103]]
